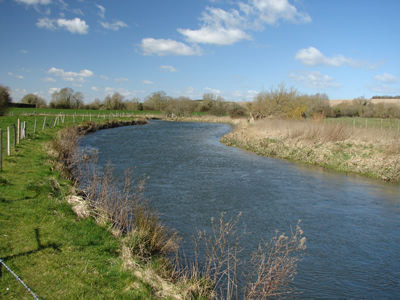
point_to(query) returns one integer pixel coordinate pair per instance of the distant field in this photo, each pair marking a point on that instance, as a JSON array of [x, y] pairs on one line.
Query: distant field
[[375, 101], [17, 111]]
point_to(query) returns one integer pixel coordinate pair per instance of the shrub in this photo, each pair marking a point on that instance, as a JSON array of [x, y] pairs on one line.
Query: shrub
[[5, 99]]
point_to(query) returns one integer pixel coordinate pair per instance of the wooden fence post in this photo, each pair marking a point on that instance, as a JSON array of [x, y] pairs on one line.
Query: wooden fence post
[[44, 123], [15, 135], [1, 149], [18, 131], [8, 141], [34, 126]]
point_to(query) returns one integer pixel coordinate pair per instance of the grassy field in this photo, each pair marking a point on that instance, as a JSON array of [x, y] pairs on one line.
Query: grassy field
[[18, 111], [58, 255]]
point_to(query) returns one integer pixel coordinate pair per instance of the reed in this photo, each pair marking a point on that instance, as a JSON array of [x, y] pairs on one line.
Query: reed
[[371, 152]]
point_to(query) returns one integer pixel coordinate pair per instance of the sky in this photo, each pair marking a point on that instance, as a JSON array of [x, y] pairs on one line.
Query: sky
[[233, 49]]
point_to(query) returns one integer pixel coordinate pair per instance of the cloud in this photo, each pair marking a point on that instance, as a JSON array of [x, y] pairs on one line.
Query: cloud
[[71, 76], [215, 35], [15, 75], [121, 79], [214, 91], [168, 69], [163, 47], [219, 28], [271, 11], [386, 78], [46, 23], [147, 82], [114, 26], [312, 56], [94, 88], [74, 26], [34, 2], [48, 79], [104, 77], [102, 11], [23, 51], [53, 89], [314, 79], [383, 89]]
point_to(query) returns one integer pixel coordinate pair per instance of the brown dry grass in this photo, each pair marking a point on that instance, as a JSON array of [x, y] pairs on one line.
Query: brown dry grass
[[372, 152]]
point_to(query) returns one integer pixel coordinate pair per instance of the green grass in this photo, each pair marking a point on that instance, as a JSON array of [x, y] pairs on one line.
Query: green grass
[[56, 254], [19, 111]]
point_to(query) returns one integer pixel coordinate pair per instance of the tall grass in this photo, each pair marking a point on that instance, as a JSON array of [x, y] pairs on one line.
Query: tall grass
[[373, 152]]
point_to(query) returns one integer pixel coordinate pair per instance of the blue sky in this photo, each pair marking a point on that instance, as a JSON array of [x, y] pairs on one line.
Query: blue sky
[[235, 49]]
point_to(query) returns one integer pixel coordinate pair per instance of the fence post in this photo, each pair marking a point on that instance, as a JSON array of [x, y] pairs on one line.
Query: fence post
[[34, 127], [18, 129], [1, 149], [15, 135], [8, 141], [44, 123]]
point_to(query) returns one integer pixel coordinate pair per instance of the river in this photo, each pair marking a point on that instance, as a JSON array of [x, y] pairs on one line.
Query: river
[[352, 224]]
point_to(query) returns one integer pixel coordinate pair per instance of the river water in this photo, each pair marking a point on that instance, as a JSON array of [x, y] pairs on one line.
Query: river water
[[352, 224]]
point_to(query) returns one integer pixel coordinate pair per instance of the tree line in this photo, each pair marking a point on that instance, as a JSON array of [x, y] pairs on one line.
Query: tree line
[[278, 102]]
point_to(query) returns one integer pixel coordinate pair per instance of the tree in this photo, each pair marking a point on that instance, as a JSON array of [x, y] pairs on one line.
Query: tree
[[181, 106], [278, 102], [66, 98], [156, 101], [5, 99], [116, 102], [34, 99]]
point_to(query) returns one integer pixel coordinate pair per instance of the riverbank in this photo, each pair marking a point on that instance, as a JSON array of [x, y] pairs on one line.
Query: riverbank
[[56, 253], [373, 153]]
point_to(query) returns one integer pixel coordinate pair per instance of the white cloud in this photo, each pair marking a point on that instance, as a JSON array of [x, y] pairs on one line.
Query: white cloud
[[122, 79], [215, 35], [104, 77], [312, 56], [15, 75], [74, 26], [71, 76], [94, 88], [46, 23], [114, 26], [219, 28], [214, 91], [168, 69], [271, 11], [383, 89], [147, 82], [314, 79], [102, 11], [34, 2], [23, 51], [48, 79], [163, 47], [53, 89], [386, 78]]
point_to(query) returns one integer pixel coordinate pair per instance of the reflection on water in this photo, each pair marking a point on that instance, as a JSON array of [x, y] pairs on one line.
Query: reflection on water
[[351, 224]]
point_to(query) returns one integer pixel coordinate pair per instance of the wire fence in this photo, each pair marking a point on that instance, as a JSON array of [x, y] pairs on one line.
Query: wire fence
[[18, 279]]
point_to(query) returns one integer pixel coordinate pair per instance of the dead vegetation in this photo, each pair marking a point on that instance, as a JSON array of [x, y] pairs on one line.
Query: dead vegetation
[[372, 152]]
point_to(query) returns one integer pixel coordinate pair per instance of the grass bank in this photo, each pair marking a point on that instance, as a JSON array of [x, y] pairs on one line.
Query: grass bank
[[56, 253], [372, 152]]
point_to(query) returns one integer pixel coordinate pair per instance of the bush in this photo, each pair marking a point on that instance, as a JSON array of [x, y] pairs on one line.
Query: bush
[[5, 99]]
